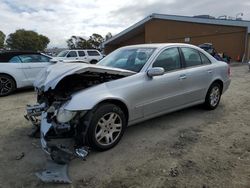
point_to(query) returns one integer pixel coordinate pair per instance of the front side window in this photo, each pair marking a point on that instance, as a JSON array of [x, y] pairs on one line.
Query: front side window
[[191, 57], [169, 60], [132, 59], [72, 54], [93, 53]]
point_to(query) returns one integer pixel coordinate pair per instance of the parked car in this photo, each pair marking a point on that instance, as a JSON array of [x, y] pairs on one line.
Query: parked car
[[95, 103], [88, 56], [19, 69], [208, 47]]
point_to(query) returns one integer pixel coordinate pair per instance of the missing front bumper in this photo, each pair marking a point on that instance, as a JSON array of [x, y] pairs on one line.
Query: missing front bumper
[[60, 154], [38, 117]]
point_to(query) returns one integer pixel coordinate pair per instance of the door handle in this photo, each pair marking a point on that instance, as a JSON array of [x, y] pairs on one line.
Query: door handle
[[183, 76], [210, 71]]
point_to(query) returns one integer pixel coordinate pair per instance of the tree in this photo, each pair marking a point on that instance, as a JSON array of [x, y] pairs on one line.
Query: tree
[[76, 42], [27, 40], [2, 38], [95, 40]]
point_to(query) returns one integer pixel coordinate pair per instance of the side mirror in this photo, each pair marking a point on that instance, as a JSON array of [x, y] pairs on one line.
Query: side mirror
[[155, 71], [53, 60]]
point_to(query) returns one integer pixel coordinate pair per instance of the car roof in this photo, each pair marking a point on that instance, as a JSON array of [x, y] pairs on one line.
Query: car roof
[[160, 45], [5, 56], [81, 50]]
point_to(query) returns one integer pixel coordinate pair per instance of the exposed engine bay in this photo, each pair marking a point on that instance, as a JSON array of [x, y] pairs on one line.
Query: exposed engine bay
[[73, 83]]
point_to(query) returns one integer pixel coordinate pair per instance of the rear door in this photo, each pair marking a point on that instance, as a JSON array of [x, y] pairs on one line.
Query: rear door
[[32, 64], [165, 93], [198, 76], [82, 56]]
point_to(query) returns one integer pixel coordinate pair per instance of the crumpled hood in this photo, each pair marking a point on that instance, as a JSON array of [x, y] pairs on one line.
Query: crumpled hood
[[50, 77]]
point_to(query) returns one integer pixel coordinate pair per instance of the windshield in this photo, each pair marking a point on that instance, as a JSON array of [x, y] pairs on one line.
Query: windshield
[[62, 53], [132, 59]]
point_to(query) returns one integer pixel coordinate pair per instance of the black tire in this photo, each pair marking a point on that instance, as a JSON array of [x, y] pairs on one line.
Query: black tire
[[93, 62], [213, 96], [7, 85], [103, 111]]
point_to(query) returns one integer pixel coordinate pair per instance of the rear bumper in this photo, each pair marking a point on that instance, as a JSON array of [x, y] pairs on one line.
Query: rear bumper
[[226, 85]]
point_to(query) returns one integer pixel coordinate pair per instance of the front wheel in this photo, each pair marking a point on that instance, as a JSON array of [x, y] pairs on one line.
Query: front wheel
[[107, 126], [213, 96]]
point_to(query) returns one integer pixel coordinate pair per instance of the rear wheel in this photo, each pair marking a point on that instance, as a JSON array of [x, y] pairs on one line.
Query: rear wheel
[[106, 128], [7, 85], [213, 96]]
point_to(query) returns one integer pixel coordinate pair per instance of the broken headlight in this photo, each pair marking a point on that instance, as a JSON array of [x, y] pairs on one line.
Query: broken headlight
[[64, 116]]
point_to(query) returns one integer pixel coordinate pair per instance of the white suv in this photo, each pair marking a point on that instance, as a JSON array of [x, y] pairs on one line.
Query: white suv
[[88, 56]]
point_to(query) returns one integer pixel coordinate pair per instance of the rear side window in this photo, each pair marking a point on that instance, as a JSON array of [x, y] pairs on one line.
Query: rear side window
[[15, 59], [169, 59], [93, 53], [34, 58], [72, 54], [191, 57], [81, 53], [204, 59]]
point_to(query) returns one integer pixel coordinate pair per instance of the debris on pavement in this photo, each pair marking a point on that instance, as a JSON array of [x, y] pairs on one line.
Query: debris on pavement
[[174, 172], [54, 173], [20, 156]]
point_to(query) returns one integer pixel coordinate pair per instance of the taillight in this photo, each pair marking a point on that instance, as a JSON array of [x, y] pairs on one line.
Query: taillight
[[229, 70]]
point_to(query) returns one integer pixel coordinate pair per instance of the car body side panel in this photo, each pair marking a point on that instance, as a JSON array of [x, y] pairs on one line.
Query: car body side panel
[[32, 69], [131, 96], [144, 100]]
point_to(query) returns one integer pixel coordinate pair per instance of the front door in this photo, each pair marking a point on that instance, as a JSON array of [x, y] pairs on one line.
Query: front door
[[165, 93], [32, 64]]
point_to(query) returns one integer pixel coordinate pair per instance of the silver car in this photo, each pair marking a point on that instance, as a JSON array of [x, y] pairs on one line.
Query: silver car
[[95, 103]]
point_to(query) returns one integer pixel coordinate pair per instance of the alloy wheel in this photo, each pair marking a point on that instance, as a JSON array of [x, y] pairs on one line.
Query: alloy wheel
[[214, 96], [108, 129], [6, 85]]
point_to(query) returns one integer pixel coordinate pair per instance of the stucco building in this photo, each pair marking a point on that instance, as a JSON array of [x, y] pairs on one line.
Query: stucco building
[[229, 36]]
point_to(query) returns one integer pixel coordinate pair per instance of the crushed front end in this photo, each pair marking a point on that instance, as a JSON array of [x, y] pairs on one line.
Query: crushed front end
[[56, 123], [55, 88]]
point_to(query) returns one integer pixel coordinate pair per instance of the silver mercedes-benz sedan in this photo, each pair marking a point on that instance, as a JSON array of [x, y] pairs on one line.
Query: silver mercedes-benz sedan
[[95, 103]]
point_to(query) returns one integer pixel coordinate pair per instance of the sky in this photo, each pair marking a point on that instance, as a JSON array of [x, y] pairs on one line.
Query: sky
[[60, 19]]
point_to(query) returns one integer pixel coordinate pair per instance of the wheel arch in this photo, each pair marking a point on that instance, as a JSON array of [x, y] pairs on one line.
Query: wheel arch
[[220, 82], [93, 60], [117, 102]]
